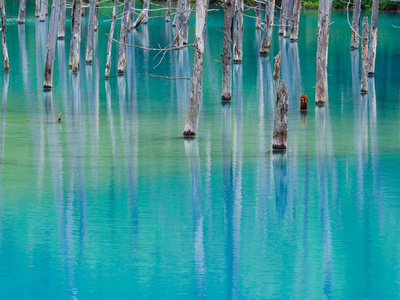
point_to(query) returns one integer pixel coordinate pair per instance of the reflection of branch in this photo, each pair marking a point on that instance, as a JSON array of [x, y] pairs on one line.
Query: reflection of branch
[[393, 25], [165, 77], [348, 20]]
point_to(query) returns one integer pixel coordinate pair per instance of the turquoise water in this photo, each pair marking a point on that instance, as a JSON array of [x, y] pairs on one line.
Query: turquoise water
[[112, 203]]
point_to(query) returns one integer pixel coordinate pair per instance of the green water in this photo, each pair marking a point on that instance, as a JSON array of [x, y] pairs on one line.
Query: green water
[[112, 203]]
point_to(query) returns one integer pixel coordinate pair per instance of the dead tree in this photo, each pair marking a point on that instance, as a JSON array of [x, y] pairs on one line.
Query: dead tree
[[196, 86], [180, 23], [143, 15], [238, 33], [258, 15], [51, 45], [229, 11], [168, 11], [185, 24], [373, 38], [43, 8], [356, 24], [3, 36], [277, 66], [279, 136], [123, 38], [176, 17], [324, 25], [110, 37], [132, 15], [364, 56], [61, 19], [294, 34], [21, 13], [75, 44], [269, 25], [282, 17], [287, 18], [37, 8], [146, 7], [90, 36]]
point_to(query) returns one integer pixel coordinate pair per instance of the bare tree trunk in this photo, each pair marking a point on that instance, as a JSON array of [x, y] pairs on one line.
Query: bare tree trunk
[[277, 67], [295, 20], [281, 117], [282, 17], [51, 45], [288, 11], [3, 36], [196, 86], [258, 15], [37, 8], [123, 38], [180, 23], [364, 56], [75, 36], [176, 17], [356, 24], [238, 33], [142, 16], [324, 25], [146, 7], [109, 45], [269, 25], [186, 22], [132, 15], [373, 38], [229, 11], [43, 8], [61, 22], [89, 46], [168, 11], [21, 14], [96, 16]]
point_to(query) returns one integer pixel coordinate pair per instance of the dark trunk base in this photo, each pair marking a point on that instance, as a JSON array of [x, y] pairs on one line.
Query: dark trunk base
[[278, 147], [226, 98], [189, 134], [320, 103]]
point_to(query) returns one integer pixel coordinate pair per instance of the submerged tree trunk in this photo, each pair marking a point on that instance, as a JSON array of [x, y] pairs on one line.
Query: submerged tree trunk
[[43, 8], [373, 38], [279, 136], [196, 86], [176, 17], [180, 20], [37, 8], [21, 14], [186, 22], [282, 17], [61, 19], [132, 15], [288, 14], [364, 56], [168, 11], [258, 14], [142, 16], [356, 24], [295, 20], [146, 7], [229, 10], [238, 33], [269, 25], [89, 46], [75, 36], [324, 25], [109, 45], [123, 38], [277, 67], [51, 45], [3, 36]]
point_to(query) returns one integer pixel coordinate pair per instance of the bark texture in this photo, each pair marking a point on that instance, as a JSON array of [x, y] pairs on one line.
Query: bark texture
[[21, 13], [268, 28], [3, 36], [132, 15], [238, 33], [142, 16], [364, 56], [294, 34], [258, 15], [356, 24], [186, 22], [74, 53], [282, 17], [123, 38], [89, 45], [373, 38], [146, 7], [43, 8], [279, 136], [37, 8], [196, 86], [109, 45], [168, 11], [287, 15], [180, 21], [61, 19], [324, 25], [229, 11], [51, 45], [277, 66], [176, 17]]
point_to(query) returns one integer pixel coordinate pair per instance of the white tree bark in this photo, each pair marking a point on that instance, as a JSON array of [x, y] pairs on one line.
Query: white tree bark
[[74, 53], [238, 33], [132, 15], [288, 11], [186, 22], [364, 56], [268, 28], [142, 16], [37, 8], [109, 45], [146, 7], [168, 11], [61, 19], [324, 25], [229, 11], [123, 38], [43, 8], [179, 22], [282, 17], [51, 45], [373, 38], [90, 36], [21, 13], [258, 15], [295, 20], [356, 24], [3, 36], [176, 17], [279, 136]]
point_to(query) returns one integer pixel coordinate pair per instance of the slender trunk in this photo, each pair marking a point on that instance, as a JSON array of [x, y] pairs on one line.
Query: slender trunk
[[21, 14], [324, 25], [142, 16], [258, 15], [75, 36], [176, 17], [43, 8], [180, 22], [229, 11], [356, 24], [168, 11], [281, 117], [295, 20], [288, 17], [269, 25], [109, 46], [282, 17], [89, 46], [132, 15], [51, 45], [196, 86], [238, 33], [277, 67], [364, 56], [373, 38], [61, 19], [3, 36], [37, 8], [96, 16], [186, 22], [146, 7], [123, 38]]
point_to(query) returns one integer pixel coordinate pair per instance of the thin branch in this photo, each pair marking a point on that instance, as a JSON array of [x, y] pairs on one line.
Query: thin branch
[[165, 77]]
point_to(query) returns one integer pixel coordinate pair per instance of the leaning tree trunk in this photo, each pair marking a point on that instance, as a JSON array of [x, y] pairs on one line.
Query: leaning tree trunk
[[258, 15], [51, 45], [142, 16], [37, 8], [229, 10], [146, 7], [238, 33], [132, 15], [123, 38], [324, 25], [109, 46], [75, 36], [364, 56], [196, 86], [89, 46], [295, 20], [21, 14], [356, 24], [43, 8], [61, 19], [279, 136], [373, 38], [282, 17], [269, 25], [3, 36], [168, 11]]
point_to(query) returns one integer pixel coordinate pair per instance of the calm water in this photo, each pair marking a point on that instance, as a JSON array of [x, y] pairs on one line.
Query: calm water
[[113, 203]]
